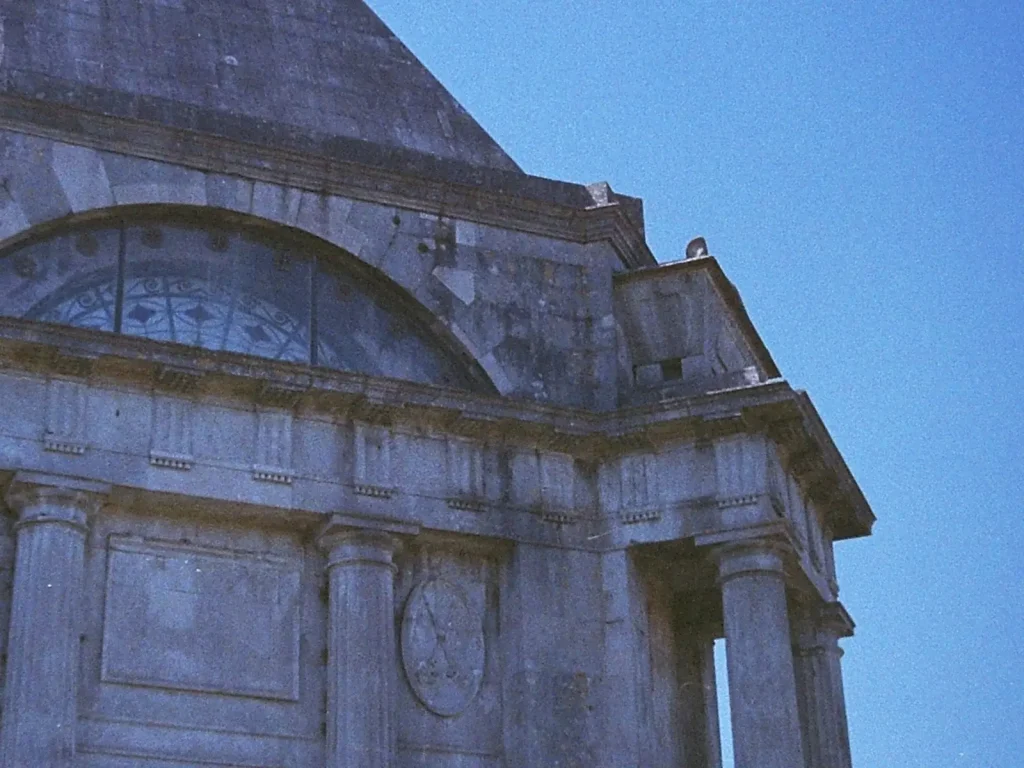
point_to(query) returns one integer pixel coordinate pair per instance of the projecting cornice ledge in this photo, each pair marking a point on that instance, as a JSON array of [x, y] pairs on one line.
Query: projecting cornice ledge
[[350, 168]]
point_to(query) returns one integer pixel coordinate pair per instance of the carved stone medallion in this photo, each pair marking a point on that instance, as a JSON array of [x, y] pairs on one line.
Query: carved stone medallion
[[442, 647]]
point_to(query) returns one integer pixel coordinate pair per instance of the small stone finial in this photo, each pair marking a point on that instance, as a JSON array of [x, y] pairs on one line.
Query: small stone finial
[[601, 193], [696, 248]]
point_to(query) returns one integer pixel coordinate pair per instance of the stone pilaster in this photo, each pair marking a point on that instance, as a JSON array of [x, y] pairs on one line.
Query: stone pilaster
[[362, 663], [762, 688], [40, 690]]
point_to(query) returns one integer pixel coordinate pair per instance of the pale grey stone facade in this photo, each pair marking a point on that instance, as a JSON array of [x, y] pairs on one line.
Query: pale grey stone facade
[[330, 438]]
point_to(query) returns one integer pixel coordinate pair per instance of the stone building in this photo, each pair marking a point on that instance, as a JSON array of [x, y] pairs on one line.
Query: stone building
[[329, 437]]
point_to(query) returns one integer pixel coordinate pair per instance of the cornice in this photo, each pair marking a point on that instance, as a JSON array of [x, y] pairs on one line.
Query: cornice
[[514, 201], [772, 408]]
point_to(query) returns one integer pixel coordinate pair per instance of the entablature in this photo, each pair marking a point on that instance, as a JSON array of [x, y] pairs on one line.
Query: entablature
[[571, 477]]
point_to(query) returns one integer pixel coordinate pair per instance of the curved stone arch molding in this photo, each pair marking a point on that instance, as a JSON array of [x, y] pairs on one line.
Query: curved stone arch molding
[[483, 368], [45, 181]]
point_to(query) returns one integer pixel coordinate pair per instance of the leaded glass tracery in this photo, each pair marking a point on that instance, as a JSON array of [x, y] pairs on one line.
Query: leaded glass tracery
[[231, 288], [91, 307]]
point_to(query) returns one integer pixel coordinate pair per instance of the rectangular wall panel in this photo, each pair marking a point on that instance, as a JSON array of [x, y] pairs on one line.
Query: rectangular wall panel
[[196, 619]]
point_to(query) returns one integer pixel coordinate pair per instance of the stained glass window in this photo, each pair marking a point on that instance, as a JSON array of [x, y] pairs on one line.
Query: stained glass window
[[217, 289], [69, 279], [237, 288]]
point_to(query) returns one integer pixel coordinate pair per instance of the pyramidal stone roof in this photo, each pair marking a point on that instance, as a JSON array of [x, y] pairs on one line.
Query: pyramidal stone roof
[[325, 76]]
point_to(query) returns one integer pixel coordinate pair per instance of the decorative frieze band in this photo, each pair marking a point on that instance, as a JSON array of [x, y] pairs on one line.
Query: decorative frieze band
[[67, 425], [557, 487], [171, 435], [630, 489], [179, 380], [465, 473], [372, 460], [273, 447], [741, 466]]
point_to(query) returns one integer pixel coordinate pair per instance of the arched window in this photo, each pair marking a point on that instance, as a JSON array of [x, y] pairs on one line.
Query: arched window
[[227, 284]]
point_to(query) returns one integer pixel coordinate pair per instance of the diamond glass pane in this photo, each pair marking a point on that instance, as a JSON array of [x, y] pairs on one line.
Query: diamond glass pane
[[236, 287], [217, 288]]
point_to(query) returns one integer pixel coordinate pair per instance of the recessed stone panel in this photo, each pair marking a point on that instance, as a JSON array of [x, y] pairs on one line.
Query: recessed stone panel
[[197, 619]]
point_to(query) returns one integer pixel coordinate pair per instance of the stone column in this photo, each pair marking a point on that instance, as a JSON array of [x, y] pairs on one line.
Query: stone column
[[816, 655], [762, 689], [362, 656], [835, 623], [41, 685], [808, 664]]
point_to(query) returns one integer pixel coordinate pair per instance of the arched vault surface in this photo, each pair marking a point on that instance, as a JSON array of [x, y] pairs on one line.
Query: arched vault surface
[[227, 282]]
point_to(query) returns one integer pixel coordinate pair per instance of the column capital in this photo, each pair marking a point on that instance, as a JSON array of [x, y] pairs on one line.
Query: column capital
[[44, 498], [348, 540], [817, 629], [763, 555], [807, 637]]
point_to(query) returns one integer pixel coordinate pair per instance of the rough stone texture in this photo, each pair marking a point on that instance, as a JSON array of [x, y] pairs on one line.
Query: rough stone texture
[[498, 287], [588, 661], [194, 577], [303, 567], [308, 72]]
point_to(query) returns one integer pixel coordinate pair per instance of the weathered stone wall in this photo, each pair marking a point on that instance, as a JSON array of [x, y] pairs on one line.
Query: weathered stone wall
[[553, 615], [678, 335], [451, 695], [535, 312], [202, 562], [659, 706], [247, 562], [213, 629]]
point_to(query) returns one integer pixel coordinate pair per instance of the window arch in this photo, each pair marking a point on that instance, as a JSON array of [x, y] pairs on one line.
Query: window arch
[[227, 283]]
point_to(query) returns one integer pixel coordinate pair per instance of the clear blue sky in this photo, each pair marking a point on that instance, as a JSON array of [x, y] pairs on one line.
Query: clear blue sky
[[858, 169]]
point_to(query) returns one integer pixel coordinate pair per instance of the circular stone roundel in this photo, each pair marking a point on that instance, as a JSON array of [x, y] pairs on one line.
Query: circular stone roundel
[[442, 647]]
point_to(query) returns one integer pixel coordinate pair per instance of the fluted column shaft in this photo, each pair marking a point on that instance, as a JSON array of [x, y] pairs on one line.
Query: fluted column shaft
[[808, 663], [817, 658], [361, 665], [762, 687], [40, 688]]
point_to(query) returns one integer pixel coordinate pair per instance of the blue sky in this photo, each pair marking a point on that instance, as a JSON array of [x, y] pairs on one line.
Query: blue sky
[[858, 169]]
